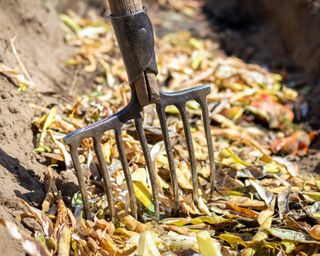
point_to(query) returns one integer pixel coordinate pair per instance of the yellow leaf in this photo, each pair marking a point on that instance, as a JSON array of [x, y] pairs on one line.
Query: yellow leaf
[[70, 23], [233, 240], [202, 206], [213, 220], [207, 245], [48, 121], [248, 252], [147, 245], [172, 110], [184, 174], [64, 241]]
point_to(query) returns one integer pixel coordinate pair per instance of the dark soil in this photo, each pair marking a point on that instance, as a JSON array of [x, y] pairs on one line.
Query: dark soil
[[282, 36]]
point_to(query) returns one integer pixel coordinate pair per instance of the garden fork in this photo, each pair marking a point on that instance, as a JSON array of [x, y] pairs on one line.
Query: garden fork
[[134, 33]]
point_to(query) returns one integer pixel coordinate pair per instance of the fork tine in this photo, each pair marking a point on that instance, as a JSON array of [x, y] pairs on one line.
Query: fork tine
[[150, 165], [124, 162], [166, 138], [206, 121], [82, 185], [105, 175], [192, 158]]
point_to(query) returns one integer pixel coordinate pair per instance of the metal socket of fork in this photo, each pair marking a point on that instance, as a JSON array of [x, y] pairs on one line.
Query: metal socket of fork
[[132, 112], [135, 37]]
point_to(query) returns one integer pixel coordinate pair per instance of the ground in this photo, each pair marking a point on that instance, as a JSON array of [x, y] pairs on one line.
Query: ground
[[40, 45]]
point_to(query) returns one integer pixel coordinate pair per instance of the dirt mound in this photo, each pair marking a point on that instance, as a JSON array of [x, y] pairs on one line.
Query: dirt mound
[[39, 43]]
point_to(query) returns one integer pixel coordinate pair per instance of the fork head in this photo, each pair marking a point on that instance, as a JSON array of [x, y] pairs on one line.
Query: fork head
[[133, 112]]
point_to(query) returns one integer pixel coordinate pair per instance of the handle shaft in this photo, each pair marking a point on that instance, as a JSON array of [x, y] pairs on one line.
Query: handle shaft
[[125, 7]]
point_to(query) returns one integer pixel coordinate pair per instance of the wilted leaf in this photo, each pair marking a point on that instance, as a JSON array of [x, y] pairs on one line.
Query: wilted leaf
[[263, 193], [207, 245], [147, 245], [30, 245], [64, 241], [283, 202], [315, 232], [291, 235], [233, 240], [247, 202], [213, 220]]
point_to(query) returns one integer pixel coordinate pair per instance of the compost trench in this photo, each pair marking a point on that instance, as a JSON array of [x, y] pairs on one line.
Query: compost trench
[[36, 27]]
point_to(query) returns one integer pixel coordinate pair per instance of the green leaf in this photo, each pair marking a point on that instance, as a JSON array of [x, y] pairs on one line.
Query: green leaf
[[143, 195], [236, 159], [76, 201]]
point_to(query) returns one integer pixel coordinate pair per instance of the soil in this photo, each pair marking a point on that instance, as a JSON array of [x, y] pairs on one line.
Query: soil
[[40, 45], [282, 36]]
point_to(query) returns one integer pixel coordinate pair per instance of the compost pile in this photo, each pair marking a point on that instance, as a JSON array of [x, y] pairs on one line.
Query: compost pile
[[264, 205]]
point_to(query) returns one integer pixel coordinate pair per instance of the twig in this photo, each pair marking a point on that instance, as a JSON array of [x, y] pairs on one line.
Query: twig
[[23, 68]]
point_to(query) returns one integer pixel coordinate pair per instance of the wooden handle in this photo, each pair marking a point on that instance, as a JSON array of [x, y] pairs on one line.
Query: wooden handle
[[124, 7]]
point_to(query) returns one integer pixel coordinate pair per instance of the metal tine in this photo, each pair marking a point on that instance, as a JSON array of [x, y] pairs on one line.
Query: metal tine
[[206, 122], [169, 151], [105, 175], [192, 158], [150, 165], [79, 174], [124, 162]]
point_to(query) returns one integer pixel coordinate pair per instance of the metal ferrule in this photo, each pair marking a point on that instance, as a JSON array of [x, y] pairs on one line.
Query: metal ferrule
[[136, 41]]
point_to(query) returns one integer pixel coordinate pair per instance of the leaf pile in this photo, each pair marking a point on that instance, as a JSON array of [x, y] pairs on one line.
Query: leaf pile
[[264, 205]]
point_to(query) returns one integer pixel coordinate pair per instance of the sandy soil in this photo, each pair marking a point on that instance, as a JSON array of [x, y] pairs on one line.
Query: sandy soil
[[39, 42]]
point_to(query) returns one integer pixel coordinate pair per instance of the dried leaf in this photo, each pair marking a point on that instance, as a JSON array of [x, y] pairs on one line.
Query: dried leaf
[[291, 235], [213, 220], [263, 193], [64, 241]]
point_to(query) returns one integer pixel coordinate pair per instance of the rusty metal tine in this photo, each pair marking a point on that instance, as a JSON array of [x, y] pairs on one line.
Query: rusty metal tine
[[192, 158], [79, 174], [169, 151], [106, 176], [124, 162], [206, 122], [150, 165]]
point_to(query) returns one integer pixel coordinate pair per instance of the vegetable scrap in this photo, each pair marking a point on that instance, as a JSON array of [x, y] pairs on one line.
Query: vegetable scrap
[[264, 205]]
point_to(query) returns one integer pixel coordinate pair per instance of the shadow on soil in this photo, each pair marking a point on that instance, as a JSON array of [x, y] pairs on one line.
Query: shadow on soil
[[24, 177]]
